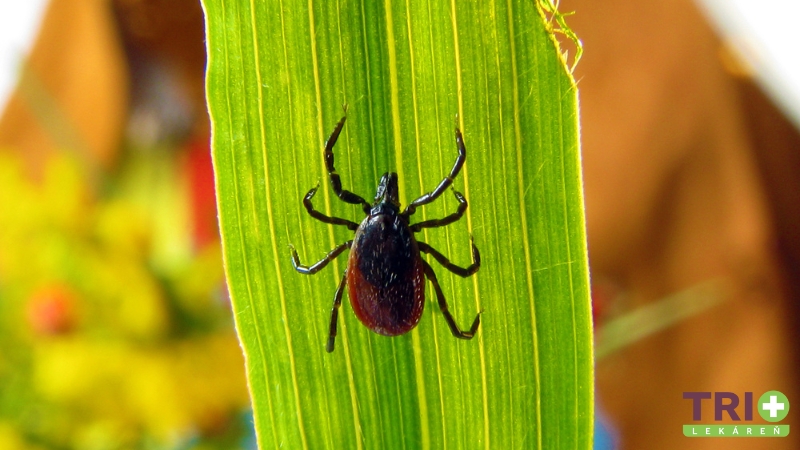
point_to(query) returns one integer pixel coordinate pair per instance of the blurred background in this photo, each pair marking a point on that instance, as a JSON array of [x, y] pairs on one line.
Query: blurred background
[[115, 326], [691, 157]]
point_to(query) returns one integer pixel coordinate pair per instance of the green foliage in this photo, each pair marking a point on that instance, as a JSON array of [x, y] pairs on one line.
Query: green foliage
[[279, 73], [104, 343]]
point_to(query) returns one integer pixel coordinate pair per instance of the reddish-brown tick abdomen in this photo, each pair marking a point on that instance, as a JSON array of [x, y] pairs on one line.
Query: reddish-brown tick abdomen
[[385, 277]]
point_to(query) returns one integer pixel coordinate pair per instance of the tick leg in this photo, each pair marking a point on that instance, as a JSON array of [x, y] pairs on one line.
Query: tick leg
[[308, 270], [443, 306], [322, 217], [435, 223], [337, 302], [460, 271], [336, 182], [444, 184]]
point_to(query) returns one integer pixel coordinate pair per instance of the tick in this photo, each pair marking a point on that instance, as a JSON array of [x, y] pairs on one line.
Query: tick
[[385, 273]]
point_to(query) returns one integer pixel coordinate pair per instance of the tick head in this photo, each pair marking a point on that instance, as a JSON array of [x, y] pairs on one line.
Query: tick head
[[387, 191]]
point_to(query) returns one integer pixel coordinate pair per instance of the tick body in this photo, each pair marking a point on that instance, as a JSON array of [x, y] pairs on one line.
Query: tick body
[[385, 274]]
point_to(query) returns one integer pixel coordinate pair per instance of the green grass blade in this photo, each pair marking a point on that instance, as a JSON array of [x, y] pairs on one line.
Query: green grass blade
[[279, 72]]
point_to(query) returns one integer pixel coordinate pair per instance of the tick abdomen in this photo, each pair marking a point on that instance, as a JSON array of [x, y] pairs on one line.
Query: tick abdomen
[[385, 275]]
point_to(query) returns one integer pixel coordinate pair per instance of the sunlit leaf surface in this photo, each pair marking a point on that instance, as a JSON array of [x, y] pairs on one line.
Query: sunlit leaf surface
[[279, 73]]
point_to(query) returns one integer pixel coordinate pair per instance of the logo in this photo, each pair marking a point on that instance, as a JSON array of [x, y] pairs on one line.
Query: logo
[[772, 406]]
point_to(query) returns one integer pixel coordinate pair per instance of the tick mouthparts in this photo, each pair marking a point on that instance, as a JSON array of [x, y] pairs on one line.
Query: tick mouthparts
[[387, 191]]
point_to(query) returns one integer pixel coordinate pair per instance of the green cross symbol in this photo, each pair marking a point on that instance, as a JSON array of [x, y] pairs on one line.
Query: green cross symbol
[[773, 406]]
